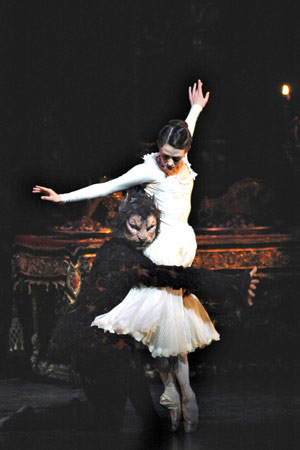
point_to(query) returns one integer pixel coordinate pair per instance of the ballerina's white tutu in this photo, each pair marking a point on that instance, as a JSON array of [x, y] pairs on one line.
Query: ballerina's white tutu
[[161, 318]]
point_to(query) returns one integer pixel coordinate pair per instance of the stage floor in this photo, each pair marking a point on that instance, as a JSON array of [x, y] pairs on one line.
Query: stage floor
[[240, 411]]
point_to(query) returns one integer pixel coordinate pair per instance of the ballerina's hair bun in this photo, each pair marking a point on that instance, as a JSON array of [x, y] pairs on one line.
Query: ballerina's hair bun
[[178, 122], [176, 134]]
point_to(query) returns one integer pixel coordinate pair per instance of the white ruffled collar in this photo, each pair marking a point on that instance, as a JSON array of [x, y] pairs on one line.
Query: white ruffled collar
[[152, 158]]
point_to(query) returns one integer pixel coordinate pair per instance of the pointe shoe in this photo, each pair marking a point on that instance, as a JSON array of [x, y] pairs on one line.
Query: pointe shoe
[[190, 414], [174, 408]]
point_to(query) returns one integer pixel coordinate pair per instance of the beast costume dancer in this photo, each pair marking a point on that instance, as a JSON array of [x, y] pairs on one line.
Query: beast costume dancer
[[109, 364], [168, 323]]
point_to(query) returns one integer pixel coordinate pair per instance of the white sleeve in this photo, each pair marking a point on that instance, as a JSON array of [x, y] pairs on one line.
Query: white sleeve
[[193, 117], [137, 175]]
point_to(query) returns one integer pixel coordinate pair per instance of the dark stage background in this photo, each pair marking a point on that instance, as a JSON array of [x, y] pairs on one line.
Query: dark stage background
[[85, 83]]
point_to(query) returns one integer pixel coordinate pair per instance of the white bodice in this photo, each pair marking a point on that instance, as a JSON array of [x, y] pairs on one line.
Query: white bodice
[[173, 196]]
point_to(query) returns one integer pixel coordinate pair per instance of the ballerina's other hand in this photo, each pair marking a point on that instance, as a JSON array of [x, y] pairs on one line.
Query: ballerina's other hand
[[47, 194]]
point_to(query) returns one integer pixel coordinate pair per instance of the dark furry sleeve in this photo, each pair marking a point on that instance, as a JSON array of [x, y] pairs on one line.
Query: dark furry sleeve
[[128, 268], [118, 267], [206, 284]]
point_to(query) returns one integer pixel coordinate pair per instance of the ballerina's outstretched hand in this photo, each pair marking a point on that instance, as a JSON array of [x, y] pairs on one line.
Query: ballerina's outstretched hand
[[47, 194], [196, 95]]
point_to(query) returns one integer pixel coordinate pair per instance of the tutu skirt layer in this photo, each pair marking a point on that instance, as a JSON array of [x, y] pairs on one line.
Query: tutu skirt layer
[[167, 323]]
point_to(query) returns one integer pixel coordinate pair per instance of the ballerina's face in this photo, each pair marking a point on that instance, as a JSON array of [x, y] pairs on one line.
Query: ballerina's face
[[170, 159], [140, 232]]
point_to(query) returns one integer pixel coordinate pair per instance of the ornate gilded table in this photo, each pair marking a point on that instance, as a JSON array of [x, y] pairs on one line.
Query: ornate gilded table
[[48, 272]]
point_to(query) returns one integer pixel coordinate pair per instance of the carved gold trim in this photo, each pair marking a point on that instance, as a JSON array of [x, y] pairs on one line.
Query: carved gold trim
[[272, 257]]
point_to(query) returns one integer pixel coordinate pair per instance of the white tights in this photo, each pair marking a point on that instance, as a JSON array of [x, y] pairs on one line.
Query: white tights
[[174, 372]]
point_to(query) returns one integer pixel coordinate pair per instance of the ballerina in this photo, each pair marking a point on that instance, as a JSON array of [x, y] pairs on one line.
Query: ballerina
[[170, 324]]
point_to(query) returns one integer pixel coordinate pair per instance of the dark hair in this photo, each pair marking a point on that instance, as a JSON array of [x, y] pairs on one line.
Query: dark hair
[[135, 201], [176, 134]]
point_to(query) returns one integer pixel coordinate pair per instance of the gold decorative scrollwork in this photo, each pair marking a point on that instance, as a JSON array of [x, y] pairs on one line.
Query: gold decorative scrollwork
[[274, 257], [39, 266]]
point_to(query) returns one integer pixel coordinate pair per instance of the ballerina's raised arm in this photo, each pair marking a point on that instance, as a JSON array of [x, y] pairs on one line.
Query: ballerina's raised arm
[[139, 174]]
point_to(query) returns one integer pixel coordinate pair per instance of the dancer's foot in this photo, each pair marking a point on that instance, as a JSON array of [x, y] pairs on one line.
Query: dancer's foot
[[171, 400], [190, 413]]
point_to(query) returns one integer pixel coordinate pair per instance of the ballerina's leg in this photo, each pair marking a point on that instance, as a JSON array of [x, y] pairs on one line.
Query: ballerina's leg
[[189, 404], [170, 397]]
